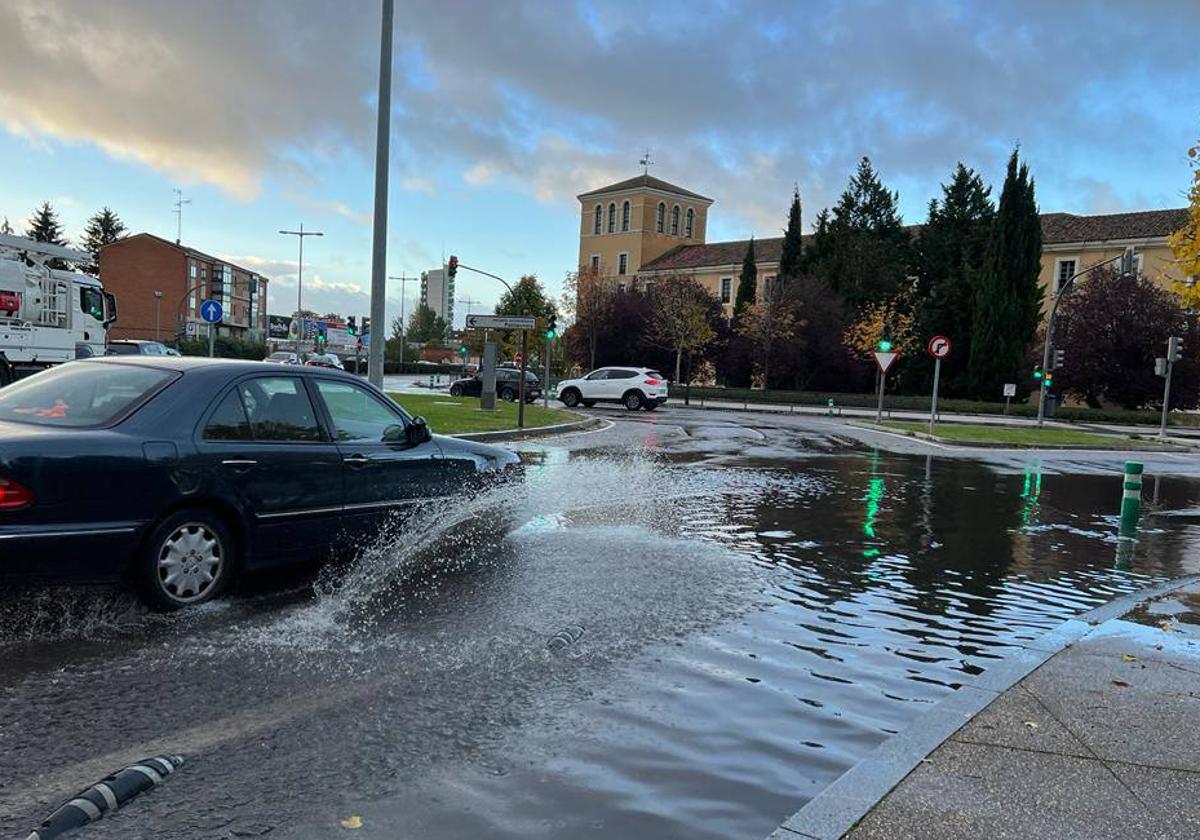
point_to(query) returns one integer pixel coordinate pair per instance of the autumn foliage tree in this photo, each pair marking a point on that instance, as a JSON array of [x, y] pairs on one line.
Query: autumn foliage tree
[[767, 324], [1185, 242], [681, 311]]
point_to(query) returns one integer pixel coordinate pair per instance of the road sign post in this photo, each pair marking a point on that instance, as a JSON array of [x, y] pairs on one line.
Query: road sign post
[[1010, 391], [211, 312], [939, 348], [487, 395], [883, 359]]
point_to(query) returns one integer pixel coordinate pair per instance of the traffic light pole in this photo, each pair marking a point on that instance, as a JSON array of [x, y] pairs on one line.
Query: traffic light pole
[[546, 381], [1162, 427]]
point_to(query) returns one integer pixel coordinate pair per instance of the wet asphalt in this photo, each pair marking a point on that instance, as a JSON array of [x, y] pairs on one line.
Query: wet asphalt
[[683, 624]]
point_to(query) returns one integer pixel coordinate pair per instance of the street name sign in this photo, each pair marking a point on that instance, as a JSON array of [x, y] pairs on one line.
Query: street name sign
[[938, 347], [211, 311], [884, 360], [500, 322]]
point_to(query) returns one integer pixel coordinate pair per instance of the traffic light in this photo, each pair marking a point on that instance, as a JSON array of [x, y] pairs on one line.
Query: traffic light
[[552, 325], [366, 325], [1174, 348], [1129, 262], [1059, 357], [1049, 378], [463, 349], [351, 325], [884, 344], [1037, 374], [452, 266]]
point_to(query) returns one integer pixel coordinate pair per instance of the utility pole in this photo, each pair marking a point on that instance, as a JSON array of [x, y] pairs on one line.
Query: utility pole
[[403, 282], [157, 315], [300, 234], [380, 228], [179, 202]]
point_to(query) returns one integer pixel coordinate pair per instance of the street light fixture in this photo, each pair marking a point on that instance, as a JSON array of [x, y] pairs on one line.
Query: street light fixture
[[300, 234]]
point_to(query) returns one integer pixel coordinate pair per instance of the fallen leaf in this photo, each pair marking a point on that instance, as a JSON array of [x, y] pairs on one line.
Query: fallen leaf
[[1128, 657], [1031, 724], [1166, 625], [353, 821], [1121, 683]]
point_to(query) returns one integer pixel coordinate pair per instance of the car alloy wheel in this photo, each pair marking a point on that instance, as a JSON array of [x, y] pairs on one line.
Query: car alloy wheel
[[456, 390], [190, 562], [570, 398], [633, 401], [508, 394]]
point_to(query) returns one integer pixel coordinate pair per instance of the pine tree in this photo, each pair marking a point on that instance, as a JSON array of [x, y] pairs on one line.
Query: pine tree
[[747, 288], [789, 260], [103, 228], [45, 227], [864, 251], [951, 250], [1008, 298], [6, 228]]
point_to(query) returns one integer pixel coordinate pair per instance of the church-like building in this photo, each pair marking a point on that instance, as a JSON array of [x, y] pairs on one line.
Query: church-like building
[[644, 227]]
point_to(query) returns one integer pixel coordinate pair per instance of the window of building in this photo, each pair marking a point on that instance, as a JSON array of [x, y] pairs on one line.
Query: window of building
[[726, 289], [192, 270], [598, 221], [612, 218], [662, 217], [625, 216], [675, 220], [691, 223], [1063, 271], [595, 262], [623, 264]]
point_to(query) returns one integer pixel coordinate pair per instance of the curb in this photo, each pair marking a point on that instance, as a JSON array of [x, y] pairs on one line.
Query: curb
[[536, 431], [925, 436], [854, 794]]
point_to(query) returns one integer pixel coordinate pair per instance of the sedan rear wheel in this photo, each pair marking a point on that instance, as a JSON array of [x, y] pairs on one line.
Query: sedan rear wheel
[[456, 390], [187, 561]]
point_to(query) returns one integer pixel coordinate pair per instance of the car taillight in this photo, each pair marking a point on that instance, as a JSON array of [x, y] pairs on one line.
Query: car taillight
[[653, 381], [13, 495]]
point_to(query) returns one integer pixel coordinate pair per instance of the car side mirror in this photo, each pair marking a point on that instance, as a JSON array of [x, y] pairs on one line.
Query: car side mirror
[[418, 431]]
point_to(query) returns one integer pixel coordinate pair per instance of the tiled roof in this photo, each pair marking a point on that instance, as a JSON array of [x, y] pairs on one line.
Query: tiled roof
[[684, 257], [190, 251], [1067, 227], [645, 182]]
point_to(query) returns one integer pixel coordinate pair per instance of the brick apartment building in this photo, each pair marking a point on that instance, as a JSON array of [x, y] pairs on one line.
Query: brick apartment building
[[138, 266]]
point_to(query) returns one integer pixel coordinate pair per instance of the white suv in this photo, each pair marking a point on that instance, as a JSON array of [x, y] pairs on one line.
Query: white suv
[[633, 388]]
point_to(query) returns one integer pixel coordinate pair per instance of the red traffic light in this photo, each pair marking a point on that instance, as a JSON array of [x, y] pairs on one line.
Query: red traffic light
[[453, 265]]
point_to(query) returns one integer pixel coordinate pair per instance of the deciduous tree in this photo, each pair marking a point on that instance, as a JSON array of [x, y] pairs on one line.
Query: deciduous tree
[[766, 324], [680, 319], [1185, 242], [587, 297]]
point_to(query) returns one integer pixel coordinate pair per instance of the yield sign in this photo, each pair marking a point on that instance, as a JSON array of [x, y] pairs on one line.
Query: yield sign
[[884, 360]]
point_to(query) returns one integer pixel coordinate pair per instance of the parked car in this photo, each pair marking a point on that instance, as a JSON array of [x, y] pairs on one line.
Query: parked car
[[132, 347], [507, 385], [633, 388], [180, 473], [325, 360], [283, 357]]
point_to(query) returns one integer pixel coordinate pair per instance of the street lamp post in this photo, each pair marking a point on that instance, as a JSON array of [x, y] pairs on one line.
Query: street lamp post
[[1126, 258], [157, 315], [300, 234], [403, 282]]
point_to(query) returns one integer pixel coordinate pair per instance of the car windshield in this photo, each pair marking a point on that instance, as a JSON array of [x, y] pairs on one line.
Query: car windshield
[[79, 395]]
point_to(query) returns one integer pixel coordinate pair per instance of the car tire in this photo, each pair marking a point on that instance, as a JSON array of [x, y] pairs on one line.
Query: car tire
[[508, 394], [456, 391], [589, 403], [650, 405], [6, 376], [633, 400], [196, 546], [570, 398]]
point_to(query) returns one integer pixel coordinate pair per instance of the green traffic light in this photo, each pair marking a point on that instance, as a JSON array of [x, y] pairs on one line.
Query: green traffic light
[[1037, 374], [551, 334], [884, 345]]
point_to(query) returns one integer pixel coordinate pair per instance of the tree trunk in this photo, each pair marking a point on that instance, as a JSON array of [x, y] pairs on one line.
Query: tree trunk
[[678, 362], [593, 349]]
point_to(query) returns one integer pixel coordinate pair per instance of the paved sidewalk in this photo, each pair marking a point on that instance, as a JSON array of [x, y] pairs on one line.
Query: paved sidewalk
[[1101, 741]]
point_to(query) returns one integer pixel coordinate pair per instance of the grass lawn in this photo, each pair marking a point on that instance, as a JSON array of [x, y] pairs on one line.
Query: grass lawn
[[448, 415], [1020, 435]]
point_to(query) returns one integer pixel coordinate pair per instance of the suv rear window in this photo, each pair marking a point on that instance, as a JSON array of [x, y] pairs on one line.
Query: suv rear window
[[77, 395]]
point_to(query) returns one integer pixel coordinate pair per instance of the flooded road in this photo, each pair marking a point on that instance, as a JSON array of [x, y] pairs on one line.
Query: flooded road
[[679, 626]]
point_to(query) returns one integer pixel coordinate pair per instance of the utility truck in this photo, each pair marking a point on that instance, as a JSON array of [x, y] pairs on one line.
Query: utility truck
[[48, 314]]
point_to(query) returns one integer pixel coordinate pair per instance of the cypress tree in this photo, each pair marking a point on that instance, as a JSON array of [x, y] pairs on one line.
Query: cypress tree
[[102, 228], [1008, 298], [747, 288], [789, 260]]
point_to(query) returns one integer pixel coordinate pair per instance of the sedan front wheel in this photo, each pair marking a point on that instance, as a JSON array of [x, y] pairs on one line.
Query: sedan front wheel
[[188, 560]]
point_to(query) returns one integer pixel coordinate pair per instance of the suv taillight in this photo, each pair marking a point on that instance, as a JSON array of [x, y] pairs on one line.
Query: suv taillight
[[653, 381], [13, 495]]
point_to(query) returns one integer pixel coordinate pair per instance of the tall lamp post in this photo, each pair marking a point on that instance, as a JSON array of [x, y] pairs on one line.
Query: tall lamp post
[[157, 315], [403, 282], [300, 234], [1127, 258]]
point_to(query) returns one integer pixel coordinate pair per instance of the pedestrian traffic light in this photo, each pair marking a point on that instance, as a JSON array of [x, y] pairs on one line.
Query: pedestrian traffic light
[[1174, 348], [1059, 356], [552, 325], [351, 326], [452, 266]]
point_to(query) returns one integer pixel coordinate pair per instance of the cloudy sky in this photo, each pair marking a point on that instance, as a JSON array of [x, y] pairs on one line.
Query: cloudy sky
[[262, 111]]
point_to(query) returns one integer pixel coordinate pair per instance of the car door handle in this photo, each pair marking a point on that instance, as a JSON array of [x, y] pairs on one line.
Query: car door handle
[[356, 460], [239, 463]]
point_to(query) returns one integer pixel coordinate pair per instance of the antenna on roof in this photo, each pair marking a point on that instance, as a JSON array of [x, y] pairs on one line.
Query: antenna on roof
[[179, 202], [646, 162]]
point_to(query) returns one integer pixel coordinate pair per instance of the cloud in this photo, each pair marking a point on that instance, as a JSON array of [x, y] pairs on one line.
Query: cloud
[[418, 184]]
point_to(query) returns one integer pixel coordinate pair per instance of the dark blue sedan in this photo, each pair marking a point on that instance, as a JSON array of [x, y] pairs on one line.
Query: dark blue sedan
[[180, 473]]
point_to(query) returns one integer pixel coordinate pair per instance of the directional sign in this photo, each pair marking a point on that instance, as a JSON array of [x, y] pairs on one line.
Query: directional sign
[[211, 311], [938, 347], [884, 360], [500, 322]]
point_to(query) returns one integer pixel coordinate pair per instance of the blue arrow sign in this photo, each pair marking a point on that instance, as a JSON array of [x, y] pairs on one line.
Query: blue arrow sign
[[211, 311]]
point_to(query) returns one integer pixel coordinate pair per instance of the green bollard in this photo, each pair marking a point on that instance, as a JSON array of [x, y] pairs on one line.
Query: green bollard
[[1131, 500], [829, 412]]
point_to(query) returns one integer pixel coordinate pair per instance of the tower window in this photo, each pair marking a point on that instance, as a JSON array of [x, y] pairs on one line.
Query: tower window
[[675, 220], [625, 216], [691, 223], [597, 222], [612, 218], [662, 217]]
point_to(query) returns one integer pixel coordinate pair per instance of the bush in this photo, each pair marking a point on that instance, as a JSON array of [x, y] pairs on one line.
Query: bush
[[224, 347]]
